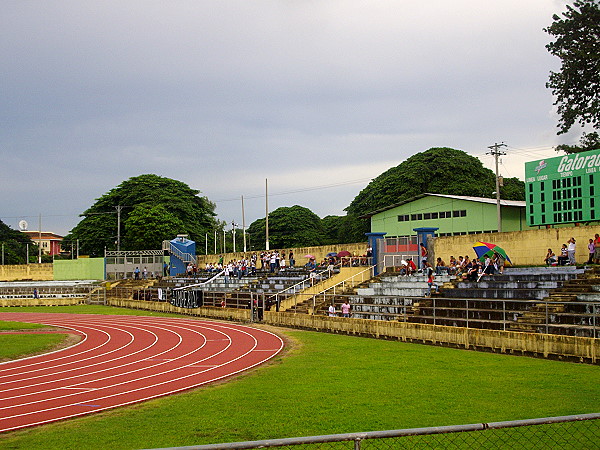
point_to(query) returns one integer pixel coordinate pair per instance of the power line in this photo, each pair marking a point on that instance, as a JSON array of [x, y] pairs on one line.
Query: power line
[[296, 191]]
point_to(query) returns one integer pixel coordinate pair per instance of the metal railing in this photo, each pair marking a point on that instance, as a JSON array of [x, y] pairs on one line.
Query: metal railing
[[577, 431], [579, 318], [334, 290]]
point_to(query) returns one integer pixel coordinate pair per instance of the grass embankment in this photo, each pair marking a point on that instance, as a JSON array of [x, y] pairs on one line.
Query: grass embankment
[[337, 384]]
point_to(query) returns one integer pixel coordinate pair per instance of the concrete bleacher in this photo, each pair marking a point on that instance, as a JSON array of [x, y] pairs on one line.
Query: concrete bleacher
[[391, 297], [517, 300]]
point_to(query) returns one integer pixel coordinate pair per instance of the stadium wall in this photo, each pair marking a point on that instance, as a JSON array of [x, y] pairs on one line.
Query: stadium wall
[[26, 272], [524, 248], [550, 346]]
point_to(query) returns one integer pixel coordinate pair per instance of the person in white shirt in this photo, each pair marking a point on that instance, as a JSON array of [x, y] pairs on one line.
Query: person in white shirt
[[332, 310]]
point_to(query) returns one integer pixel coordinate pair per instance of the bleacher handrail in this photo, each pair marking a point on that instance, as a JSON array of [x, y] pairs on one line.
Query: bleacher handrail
[[294, 286], [182, 256], [204, 283]]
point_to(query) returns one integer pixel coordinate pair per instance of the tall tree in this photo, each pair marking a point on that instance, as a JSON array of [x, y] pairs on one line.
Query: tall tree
[[14, 244], [152, 208], [589, 141], [293, 226], [437, 171], [577, 85]]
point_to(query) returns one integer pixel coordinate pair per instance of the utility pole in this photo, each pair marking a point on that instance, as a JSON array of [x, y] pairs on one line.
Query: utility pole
[[496, 152], [243, 224], [40, 240], [266, 214], [119, 208], [233, 224]]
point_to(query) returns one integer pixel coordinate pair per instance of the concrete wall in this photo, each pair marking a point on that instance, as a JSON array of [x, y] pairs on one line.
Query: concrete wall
[[79, 269], [357, 249], [533, 344], [40, 301], [21, 272], [523, 247]]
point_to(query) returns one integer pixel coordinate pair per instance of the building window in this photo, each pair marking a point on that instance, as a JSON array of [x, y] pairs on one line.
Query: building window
[[426, 216], [434, 215]]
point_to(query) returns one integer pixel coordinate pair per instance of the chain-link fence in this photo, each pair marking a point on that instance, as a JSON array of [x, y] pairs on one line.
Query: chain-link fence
[[567, 432]]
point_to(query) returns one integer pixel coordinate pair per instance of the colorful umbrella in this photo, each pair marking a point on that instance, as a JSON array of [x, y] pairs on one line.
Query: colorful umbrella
[[344, 253], [331, 254], [309, 256], [483, 249]]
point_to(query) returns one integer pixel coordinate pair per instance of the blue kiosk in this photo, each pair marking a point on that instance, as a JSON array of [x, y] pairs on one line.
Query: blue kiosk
[[182, 252]]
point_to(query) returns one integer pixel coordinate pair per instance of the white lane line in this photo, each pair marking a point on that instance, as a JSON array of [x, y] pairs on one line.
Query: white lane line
[[77, 368], [195, 384], [110, 369]]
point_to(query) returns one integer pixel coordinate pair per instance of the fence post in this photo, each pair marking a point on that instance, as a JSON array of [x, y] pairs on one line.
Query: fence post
[[546, 317]]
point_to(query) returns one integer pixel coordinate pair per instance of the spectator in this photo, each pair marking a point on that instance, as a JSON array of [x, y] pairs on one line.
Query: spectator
[[430, 278], [550, 259], [424, 254], [440, 266], [488, 266], [346, 308], [499, 262], [597, 250], [564, 257], [592, 251], [453, 267], [331, 310], [473, 271], [571, 251], [411, 266]]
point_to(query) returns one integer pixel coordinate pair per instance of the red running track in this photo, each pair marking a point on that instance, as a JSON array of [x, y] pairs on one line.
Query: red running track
[[123, 360]]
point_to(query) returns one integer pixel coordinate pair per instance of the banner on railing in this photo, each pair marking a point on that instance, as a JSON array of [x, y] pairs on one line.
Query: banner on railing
[[188, 298]]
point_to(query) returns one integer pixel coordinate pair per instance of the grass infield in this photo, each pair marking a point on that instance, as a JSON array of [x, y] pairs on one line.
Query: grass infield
[[14, 346], [327, 384]]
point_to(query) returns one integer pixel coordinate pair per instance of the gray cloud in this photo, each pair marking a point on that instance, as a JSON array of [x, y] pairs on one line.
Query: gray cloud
[[222, 95]]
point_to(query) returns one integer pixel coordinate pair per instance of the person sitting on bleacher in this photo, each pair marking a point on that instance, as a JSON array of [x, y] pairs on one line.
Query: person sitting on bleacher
[[411, 267], [550, 258], [473, 271], [440, 266]]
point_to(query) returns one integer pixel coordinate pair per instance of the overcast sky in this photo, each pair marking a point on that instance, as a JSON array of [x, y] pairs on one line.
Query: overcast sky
[[317, 96]]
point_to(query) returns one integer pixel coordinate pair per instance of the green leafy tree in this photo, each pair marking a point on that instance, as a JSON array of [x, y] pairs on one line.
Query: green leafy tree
[[331, 229], [136, 197], [437, 171], [15, 245], [293, 226], [577, 85], [589, 141], [513, 189], [147, 226]]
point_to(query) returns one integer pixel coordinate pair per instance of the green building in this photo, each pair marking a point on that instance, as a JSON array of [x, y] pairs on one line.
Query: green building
[[451, 214], [563, 190]]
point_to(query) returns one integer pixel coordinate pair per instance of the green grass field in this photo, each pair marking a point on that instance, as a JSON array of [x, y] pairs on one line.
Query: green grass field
[[327, 384], [18, 345]]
